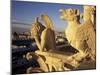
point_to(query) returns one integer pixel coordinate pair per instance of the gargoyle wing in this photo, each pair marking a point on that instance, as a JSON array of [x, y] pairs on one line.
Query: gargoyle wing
[[86, 34]]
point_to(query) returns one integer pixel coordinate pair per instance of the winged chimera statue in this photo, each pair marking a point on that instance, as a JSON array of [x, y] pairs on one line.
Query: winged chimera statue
[[80, 35], [47, 35]]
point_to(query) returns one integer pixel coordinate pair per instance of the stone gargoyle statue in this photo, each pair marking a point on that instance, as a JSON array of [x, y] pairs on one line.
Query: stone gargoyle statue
[[36, 31], [81, 36], [47, 35], [45, 39]]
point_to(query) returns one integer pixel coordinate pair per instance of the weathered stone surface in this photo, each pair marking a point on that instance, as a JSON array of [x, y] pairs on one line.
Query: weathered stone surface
[[37, 28], [48, 36], [73, 24], [89, 15], [39, 59], [80, 36], [36, 31]]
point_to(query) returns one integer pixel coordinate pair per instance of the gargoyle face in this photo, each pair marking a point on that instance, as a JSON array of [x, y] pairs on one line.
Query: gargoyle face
[[69, 14], [35, 29]]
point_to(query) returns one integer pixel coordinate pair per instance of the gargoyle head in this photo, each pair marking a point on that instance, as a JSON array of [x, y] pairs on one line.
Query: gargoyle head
[[69, 14], [37, 28]]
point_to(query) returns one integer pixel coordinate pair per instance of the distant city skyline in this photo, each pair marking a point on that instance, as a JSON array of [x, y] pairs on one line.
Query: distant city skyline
[[23, 13]]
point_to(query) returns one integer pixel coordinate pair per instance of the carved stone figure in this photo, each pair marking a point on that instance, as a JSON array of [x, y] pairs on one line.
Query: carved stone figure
[[36, 31], [47, 35], [89, 26], [72, 16], [80, 36]]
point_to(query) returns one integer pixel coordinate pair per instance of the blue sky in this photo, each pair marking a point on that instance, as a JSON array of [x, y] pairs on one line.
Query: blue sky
[[25, 12]]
